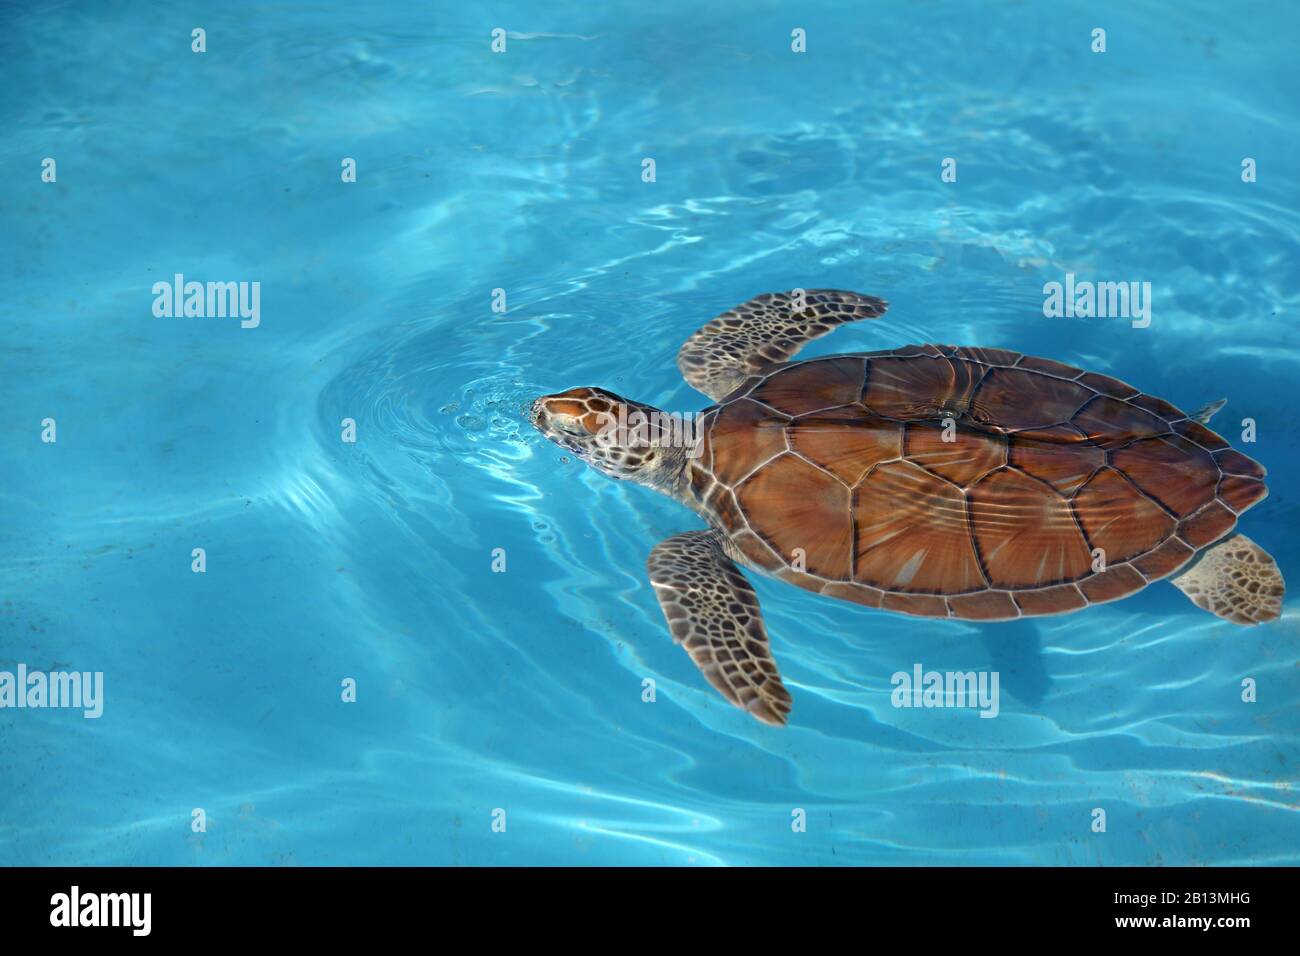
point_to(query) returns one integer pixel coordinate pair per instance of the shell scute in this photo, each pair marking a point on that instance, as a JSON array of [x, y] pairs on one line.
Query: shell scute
[[1158, 406], [821, 438], [1235, 463], [909, 389], [911, 533], [1119, 519], [1195, 431], [744, 435], [1105, 385], [1208, 525], [984, 606], [1034, 363], [920, 605], [1015, 398], [1240, 493], [756, 550], [1170, 470], [986, 356], [1112, 584], [1112, 423], [1053, 600], [1060, 456], [1165, 560], [803, 511], [1025, 532], [857, 593], [808, 386], [968, 456]]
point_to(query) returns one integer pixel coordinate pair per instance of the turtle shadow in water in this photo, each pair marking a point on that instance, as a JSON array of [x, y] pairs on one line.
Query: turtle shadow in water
[[1015, 652]]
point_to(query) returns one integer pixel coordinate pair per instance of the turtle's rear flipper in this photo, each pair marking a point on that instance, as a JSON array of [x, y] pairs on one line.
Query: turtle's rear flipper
[[713, 612], [1235, 579], [766, 330], [1208, 411]]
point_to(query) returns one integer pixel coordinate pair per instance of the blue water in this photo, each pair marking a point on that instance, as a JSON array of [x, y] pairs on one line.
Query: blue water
[[521, 691]]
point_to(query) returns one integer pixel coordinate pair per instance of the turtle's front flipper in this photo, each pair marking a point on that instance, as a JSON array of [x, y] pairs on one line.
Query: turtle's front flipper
[[1235, 579], [766, 330], [713, 612]]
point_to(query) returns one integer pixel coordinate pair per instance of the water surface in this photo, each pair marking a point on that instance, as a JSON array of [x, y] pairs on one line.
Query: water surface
[[522, 171]]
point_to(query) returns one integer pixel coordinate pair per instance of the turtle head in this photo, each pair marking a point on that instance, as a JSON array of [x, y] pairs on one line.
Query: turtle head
[[618, 437]]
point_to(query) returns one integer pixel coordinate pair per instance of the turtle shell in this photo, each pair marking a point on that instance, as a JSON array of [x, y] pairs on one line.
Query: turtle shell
[[963, 482]]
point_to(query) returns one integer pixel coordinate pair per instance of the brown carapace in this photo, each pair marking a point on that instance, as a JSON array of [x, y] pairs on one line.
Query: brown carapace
[[969, 483], [966, 483]]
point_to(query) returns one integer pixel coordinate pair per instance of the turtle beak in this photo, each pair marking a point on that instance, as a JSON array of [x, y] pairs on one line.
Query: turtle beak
[[537, 416]]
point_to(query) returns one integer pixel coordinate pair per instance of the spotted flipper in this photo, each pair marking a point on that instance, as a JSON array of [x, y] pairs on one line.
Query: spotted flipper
[[1208, 411], [713, 612], [763, 331], [1235, 579]]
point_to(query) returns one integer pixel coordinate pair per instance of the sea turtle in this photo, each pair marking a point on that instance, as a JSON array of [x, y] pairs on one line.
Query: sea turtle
[[971, 483]]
